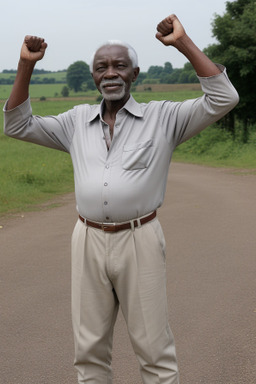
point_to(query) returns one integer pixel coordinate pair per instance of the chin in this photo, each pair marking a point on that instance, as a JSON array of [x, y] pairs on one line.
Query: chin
[[113, 96]]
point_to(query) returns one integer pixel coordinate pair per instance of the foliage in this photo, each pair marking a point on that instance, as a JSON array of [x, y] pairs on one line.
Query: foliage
[[216, 147], [89, 85], [168, 75], [235, 32], [77, 74], [65, 91], [142, 76]]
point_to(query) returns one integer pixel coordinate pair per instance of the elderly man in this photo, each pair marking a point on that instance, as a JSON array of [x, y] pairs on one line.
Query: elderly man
[[121, 152]]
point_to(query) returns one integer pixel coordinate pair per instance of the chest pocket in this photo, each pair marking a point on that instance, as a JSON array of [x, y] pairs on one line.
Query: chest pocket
[[138, 155]]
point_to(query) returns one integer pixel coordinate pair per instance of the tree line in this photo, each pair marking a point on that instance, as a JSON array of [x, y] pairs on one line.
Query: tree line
[[78, 77]]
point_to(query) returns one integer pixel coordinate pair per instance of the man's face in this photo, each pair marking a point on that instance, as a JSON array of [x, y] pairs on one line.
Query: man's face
[[113, 72]]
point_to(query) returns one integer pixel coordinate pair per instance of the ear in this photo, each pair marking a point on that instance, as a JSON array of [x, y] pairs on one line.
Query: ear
[[136, 72]]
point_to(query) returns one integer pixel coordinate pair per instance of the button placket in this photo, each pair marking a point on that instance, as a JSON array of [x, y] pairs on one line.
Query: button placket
[[105, 192], [106, 204]]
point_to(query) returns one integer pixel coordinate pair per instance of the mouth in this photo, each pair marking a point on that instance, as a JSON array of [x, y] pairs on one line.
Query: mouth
[[111, 86]]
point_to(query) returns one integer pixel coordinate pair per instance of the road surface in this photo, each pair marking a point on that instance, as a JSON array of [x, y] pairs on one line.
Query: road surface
[[209, 219]]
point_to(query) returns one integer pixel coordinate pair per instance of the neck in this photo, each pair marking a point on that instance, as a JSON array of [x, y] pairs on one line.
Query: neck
[[111, 107]]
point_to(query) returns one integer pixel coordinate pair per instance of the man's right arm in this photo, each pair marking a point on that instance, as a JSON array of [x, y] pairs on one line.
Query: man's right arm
[[33, 50], [19, 123]]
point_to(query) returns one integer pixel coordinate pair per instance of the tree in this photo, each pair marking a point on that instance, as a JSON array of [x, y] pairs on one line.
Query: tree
[[155, 71], [142, 76], [183, 78], [174, 77], [188, 74], [65, 91], [235, 32], [90, 84], [77, 74], [168, 68]]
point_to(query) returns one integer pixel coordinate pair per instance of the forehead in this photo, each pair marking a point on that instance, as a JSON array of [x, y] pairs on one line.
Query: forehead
[[112, 52]]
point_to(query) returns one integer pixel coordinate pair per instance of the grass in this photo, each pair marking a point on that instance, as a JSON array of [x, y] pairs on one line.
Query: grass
[[159, 92], [34, 175], [145, 97], [31, 175], [43, 90], [217, 148]]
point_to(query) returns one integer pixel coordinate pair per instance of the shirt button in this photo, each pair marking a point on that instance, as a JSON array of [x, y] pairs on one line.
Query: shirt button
[[105, 184], [105, 203], [107, 166], [107, 217]]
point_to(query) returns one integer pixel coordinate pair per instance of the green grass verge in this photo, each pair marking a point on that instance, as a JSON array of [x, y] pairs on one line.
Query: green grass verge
[[33, 175], [30, 174], [216, 148]]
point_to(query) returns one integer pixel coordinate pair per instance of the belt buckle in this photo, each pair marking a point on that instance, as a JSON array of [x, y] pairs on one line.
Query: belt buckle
[[108, 227]]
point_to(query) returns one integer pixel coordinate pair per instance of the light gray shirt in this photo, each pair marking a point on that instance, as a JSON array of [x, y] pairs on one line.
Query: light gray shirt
[[128, 180]]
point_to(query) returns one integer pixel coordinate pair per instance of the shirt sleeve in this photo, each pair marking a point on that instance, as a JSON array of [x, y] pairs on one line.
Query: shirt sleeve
[[182, 120], [50, 131]]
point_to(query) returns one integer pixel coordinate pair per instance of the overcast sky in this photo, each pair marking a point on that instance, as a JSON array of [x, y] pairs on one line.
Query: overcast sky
[[74, 28]]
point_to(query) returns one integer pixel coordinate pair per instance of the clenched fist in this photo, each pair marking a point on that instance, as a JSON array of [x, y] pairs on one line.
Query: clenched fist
[[33, 49], [170, 30]]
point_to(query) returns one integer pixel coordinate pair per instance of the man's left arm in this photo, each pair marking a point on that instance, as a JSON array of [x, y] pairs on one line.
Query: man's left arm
[[188, 118]]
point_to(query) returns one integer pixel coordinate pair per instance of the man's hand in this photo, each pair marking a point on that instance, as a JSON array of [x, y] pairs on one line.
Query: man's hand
[[33, 49], [170, 30]]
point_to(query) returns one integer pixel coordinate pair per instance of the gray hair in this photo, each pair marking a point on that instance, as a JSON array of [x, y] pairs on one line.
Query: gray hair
[[131, 52]]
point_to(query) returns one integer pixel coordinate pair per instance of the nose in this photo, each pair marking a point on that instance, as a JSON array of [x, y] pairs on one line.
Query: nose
[[110, 72]]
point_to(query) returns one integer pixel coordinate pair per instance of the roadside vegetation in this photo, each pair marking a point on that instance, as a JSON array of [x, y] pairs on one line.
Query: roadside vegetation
[[218, 148]]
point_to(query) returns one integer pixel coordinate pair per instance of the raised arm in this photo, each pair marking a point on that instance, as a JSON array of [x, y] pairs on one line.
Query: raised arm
[[32, 50], [171, 32]]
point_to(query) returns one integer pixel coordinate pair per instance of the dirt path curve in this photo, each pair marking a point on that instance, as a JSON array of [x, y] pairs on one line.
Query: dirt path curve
[[209, 219]]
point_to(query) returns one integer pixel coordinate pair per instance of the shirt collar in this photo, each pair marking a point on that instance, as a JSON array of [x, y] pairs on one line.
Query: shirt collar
[[131, 106]]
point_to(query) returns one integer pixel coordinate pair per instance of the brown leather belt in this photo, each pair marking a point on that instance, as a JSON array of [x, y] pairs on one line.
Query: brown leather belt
[[108, 227]]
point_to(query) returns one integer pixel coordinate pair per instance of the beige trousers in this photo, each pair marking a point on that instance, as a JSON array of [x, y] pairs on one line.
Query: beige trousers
[[126, 268]]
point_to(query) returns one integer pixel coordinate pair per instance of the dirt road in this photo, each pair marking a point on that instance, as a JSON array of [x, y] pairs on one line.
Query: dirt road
[[209, 219]]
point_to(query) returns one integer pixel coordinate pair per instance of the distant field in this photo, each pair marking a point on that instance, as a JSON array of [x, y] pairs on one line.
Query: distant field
[[158, 91], [39, 90], [169, 87], [178, 95], [58, 76]]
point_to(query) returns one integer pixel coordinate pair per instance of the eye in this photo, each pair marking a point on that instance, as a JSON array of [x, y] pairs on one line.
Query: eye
[[121, 65], [100, 68]]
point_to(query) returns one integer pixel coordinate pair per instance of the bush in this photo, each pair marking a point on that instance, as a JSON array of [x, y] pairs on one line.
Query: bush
[[217, 147], [65, 91]]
